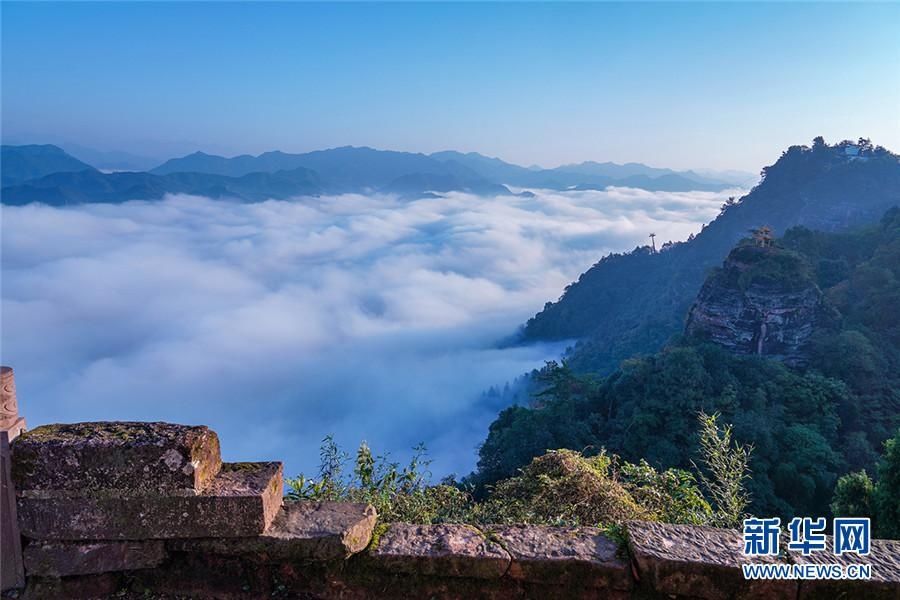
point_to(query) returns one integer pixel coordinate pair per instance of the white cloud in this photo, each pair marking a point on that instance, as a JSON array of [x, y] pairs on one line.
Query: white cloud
[[280, 322]]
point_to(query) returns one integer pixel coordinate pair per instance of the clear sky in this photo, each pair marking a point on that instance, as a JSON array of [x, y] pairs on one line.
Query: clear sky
[[718, 85]]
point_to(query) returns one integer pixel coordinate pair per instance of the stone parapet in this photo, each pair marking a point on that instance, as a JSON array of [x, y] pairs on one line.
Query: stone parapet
[[699, 562], [581, 556], [306, 531], [12, 569], [242, 500], [234, 538], [308, 554], [440, 550], [61, 559], [884, 560], [125, 458]]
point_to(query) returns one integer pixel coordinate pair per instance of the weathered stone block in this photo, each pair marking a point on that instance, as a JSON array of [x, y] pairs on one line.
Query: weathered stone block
[[9, 404], [81, 587], [62, 559], [564, 554], [241, 501], [884, 559], [440, 550], [699, 562], [12, 570], [301, 531], [129, 458]]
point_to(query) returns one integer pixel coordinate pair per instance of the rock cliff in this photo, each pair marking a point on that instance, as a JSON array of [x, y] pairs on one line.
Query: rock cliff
[[763, 300]]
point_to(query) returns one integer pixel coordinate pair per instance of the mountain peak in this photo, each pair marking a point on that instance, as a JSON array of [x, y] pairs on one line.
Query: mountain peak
[[22, 163]]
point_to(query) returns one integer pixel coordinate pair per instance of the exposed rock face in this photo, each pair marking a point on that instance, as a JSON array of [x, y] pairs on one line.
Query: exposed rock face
[[762, 301]]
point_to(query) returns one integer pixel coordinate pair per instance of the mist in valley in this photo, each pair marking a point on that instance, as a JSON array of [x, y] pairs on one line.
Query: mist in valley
[[277, 323]]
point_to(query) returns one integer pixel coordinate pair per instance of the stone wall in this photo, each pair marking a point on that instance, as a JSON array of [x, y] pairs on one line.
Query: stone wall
[[148, 510]]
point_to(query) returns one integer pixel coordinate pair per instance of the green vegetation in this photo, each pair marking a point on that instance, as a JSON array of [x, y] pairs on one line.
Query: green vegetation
[[561, 487], [786, 269], [856, 495], [728, 466], [808, 426], [633, 303]]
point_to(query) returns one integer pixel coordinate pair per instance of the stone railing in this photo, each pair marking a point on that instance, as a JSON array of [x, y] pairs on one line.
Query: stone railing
[[148, 510]]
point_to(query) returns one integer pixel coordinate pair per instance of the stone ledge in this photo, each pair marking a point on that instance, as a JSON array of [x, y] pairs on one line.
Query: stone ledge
[[451, 562], [317, 531], [698, 562], [564, 555], [242, 501], [439, 550], [62, 559], [128, 457], [884, 584]]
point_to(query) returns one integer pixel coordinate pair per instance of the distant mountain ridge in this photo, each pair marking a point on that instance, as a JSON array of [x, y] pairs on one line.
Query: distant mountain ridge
[[23, 163], [110, 160], [87, 186], [48, 174], [376, 168], [586, 175]]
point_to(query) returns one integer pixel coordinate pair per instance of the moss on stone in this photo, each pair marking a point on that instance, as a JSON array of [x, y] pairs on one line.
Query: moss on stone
[[378, 531], [239, 467]]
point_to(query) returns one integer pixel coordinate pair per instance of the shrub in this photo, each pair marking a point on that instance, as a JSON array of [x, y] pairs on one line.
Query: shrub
[[853, 495], [856, 495], [565, 487], [726, 469], [560, 487]]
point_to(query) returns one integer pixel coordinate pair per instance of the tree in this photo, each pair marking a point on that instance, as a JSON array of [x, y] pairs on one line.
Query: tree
[[865, 145], [732, 201], [887, 491], [853, 495], [857, 496]]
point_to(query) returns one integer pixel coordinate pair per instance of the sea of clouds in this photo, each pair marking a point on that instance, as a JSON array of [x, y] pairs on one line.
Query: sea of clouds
[[369, 317]]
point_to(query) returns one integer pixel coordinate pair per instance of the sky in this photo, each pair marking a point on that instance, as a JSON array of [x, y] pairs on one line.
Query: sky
[[711, 85], [277, 323]]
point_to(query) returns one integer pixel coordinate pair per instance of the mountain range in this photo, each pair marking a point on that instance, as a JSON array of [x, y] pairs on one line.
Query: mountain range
[[632, 303], [48, 174], [780, 317]]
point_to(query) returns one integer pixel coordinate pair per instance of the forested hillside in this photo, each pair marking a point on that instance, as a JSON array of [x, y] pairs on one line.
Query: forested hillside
[[633, 303], [808, 424]]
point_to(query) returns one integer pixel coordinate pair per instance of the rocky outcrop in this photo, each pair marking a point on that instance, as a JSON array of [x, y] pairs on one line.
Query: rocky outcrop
[[762, 301]]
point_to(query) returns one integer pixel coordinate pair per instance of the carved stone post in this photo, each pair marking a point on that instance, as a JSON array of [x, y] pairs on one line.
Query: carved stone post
[[12, 571]]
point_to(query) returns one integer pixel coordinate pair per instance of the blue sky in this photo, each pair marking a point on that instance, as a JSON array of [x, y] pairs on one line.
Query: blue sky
[[682, 85]]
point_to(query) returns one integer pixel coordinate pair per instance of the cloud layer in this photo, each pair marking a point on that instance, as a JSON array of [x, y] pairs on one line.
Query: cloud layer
[[277, 323]]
